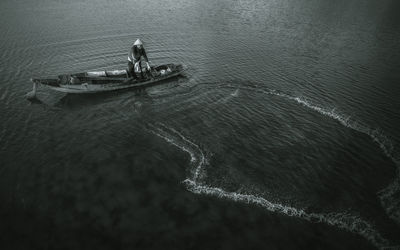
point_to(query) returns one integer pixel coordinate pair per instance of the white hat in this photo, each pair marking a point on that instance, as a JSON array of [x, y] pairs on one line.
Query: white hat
[[138, 42]]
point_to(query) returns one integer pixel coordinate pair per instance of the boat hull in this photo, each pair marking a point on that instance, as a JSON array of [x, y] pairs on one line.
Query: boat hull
[[97, 84]]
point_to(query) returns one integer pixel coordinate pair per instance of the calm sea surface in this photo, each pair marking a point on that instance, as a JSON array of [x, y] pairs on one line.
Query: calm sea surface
[[282, 134]]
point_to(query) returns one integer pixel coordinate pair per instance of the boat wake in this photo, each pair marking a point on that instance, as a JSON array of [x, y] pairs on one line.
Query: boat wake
[[388, 196], [175, 138], [196, 183]]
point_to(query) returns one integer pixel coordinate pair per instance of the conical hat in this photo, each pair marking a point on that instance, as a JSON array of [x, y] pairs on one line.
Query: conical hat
[[138, 42]]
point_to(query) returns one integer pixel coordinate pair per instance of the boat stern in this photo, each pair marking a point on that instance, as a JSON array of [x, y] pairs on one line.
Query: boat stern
[[48, 82]]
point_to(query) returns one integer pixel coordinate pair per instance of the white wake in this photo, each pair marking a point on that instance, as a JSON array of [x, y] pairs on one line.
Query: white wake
[[388, 195], [195, 184]]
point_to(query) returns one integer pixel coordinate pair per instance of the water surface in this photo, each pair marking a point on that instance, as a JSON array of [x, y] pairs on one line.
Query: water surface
[[282, 134]]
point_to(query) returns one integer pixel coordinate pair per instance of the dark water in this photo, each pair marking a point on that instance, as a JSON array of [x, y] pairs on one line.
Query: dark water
[[283, 133]]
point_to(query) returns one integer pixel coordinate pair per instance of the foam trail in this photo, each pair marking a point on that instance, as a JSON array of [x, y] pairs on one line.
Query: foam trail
[[173, 142], [185, 145], [198, 169], [378, 137], [387, 195], [344, 221]]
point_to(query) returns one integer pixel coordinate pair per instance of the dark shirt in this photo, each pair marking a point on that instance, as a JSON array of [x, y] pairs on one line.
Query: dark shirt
[[136, 54]]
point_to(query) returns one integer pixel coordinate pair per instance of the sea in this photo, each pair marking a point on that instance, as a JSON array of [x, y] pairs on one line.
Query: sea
[[282, 133]]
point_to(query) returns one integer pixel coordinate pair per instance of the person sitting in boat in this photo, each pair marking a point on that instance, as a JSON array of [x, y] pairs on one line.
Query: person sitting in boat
[[136, 55]]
